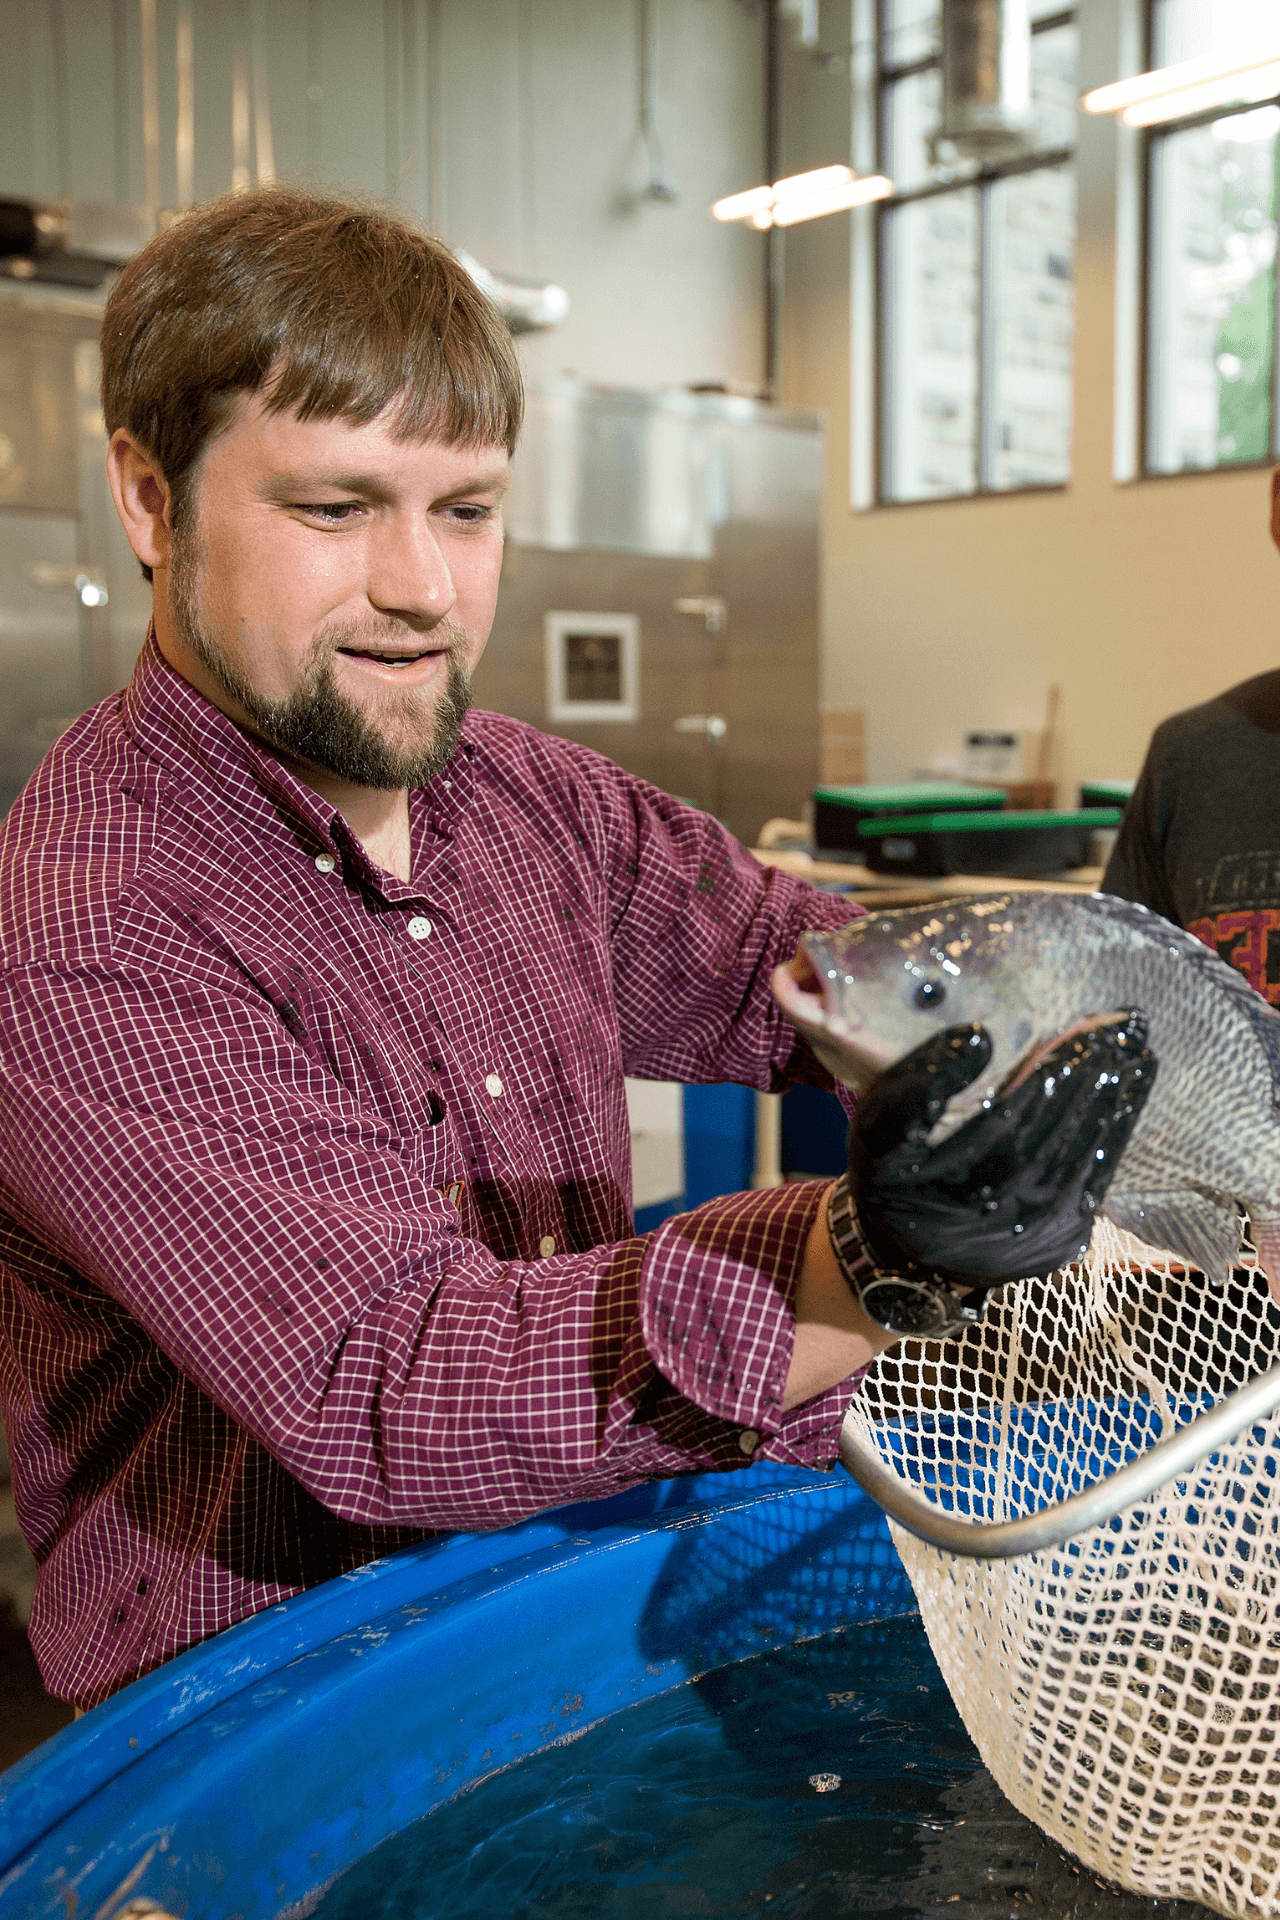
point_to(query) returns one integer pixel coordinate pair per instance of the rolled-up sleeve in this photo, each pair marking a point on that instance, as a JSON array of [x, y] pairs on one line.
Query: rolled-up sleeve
[[279, 1244], [716, 1315]]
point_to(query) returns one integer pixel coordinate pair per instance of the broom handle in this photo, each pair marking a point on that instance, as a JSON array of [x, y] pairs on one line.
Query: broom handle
[[1046, 738]]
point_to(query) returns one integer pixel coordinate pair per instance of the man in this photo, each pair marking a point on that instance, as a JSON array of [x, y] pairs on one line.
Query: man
[[319, 992], [1200, 839]]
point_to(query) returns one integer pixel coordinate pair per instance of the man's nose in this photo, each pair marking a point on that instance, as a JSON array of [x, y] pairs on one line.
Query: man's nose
[[408, 574]]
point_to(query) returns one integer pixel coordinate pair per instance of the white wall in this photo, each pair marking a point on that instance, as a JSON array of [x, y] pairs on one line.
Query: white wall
[[508, 126], [1139, 598]]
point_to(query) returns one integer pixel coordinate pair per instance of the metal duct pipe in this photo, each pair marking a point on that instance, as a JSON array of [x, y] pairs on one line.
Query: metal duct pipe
[[70, 243], [527, 306], [986, 81]]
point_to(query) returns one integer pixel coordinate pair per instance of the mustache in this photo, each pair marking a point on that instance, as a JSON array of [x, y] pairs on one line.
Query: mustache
[[389, 636]]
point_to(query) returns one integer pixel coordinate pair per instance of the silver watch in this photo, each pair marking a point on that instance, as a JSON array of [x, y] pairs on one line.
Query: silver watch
[[918, 1305]]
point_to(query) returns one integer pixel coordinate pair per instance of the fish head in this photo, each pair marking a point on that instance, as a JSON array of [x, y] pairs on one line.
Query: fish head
[[872, 991]]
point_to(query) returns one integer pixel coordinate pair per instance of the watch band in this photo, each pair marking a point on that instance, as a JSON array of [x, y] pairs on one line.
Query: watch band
[[915, 1304]]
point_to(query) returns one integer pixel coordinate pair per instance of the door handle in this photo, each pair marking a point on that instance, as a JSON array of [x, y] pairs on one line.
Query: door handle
[[707, 606], [713, 725]]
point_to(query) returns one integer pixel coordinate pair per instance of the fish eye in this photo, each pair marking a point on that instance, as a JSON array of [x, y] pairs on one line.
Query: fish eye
[[930, 993]]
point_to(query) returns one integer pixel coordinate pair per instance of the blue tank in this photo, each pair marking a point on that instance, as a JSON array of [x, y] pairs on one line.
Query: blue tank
[[239, 1780]]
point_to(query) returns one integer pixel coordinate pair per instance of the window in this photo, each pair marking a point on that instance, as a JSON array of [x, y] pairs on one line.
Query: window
[[1211, 254], [976, 272]]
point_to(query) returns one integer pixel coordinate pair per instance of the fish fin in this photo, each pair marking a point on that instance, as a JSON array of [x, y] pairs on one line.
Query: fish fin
[[1185, 1223], [1265, 1235]]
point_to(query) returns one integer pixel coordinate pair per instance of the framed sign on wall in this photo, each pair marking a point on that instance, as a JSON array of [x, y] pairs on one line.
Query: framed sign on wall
[[593, 667]]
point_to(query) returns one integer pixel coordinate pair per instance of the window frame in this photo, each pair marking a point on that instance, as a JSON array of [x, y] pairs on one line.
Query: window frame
[[983, 178], [1151, 138]]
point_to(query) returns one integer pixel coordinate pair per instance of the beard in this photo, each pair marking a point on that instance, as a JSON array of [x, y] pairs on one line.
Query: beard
[[317, 722]]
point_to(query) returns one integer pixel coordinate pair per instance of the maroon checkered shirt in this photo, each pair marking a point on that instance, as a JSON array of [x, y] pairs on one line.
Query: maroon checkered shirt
[[315, 1192]]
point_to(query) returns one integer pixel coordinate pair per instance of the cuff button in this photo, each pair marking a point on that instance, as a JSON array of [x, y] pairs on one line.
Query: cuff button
[[748, 1441]]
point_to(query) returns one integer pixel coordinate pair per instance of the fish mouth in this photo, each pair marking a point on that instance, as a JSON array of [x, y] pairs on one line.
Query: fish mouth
[[851, 1050]]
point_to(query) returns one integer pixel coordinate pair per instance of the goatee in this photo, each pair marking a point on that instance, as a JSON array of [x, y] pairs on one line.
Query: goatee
[[316, 722]]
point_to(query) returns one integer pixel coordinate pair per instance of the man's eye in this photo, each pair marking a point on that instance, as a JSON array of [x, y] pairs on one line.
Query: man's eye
[[930, 993], [334, 511], [471, 515]]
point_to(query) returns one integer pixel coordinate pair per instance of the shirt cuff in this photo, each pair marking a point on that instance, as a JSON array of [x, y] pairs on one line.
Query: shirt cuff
[[717, 1311]]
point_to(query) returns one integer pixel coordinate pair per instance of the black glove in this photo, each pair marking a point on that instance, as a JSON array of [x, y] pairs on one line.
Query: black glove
[[1014, 1191]]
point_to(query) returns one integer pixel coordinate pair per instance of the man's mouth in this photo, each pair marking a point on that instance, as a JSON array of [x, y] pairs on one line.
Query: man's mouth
[[399, 658]]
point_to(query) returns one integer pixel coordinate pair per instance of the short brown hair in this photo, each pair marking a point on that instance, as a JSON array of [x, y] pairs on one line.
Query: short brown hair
[[351, 306]]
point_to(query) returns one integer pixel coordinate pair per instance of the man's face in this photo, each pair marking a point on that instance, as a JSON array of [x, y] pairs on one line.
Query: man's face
[[332, 587]]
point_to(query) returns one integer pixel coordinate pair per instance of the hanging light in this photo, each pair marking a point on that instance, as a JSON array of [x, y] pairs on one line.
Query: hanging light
[[1167, 93], [803, 196]]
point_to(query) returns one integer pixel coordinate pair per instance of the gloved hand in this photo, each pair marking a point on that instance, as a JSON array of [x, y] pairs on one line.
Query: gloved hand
[[1012, 1192]]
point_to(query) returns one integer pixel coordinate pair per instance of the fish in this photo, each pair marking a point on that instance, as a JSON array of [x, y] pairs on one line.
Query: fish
[[1203, 1161]]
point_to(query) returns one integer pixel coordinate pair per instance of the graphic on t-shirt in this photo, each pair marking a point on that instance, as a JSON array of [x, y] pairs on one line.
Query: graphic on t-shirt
[[1249, 941], [1238, 919], [1240, 881]]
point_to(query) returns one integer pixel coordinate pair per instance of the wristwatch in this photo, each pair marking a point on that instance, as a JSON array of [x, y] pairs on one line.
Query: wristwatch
[[917, 1304]]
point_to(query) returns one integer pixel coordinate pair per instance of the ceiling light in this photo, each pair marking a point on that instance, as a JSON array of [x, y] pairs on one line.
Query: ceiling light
[[854, 193], [1168, 93], [803, 196], [740, 206], [1257, 84], [796, 185]]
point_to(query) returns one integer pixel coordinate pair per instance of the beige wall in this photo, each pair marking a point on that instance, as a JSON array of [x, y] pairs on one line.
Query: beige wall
[[1137, 598], [509, 126]]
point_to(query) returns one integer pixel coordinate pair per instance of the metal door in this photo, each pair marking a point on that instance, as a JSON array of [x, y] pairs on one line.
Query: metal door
[[41, 660], [697, 515]]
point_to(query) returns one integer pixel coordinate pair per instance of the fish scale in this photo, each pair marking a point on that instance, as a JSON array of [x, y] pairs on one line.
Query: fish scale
[[1028, 967]]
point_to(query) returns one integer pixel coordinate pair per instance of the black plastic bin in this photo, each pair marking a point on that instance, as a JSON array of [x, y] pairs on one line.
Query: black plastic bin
[[838, 811], [927, 845], [1105, 793]]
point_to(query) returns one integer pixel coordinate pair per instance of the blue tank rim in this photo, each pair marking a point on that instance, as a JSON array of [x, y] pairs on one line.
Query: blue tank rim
[[45, 1790]]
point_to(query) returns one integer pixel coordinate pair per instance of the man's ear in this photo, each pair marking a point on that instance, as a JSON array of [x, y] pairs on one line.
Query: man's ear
[[141, 494], [1275, 505]]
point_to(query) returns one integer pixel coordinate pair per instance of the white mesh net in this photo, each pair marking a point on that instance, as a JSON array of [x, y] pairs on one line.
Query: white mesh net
[[1124, 1690]]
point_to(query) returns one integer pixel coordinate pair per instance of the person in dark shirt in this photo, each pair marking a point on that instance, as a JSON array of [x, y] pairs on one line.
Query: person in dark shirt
[[1200, 840]]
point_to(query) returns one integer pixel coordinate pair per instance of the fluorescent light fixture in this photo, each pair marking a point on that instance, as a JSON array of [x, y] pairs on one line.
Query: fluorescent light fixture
[[740, 206], [1168, 93], [853, 193], [803, 196], [1257, 84], [797, 185]]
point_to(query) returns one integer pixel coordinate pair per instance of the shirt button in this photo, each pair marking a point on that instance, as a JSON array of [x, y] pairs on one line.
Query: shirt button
[[492, 1085], [325, 863], [419, 927], [748, 1441], [547, 1245]]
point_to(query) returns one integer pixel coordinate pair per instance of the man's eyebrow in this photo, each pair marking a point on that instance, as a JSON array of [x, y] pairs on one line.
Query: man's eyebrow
[[288, 487], [496, 480]]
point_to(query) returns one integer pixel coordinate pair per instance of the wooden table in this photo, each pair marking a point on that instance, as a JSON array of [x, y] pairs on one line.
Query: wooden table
[[884, 890]]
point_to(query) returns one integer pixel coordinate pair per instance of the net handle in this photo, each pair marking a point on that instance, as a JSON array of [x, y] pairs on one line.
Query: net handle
[[1054, 1526]]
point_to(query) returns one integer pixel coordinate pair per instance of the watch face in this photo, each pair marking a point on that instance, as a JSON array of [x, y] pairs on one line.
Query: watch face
[[922, 1309]]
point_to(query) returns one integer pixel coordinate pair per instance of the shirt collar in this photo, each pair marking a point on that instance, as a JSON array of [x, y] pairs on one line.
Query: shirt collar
[[196, 743]]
